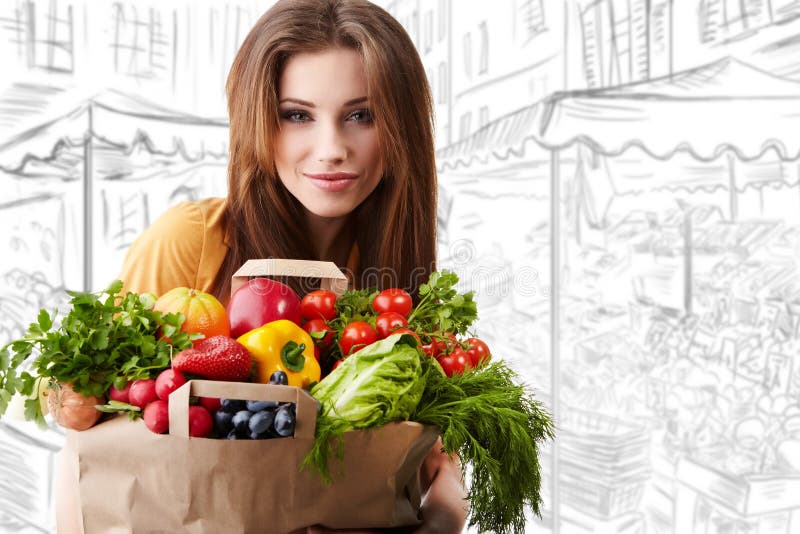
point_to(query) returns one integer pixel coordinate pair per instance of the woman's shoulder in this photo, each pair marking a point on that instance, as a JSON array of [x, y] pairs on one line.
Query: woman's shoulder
[[196, 214], [184, 246]]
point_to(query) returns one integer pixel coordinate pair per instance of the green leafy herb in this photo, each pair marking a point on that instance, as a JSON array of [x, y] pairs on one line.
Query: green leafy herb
[[487, 419], [441, 307], [106, 338]]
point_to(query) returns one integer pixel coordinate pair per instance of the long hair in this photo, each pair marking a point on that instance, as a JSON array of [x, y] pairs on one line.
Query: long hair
[[395, 226]]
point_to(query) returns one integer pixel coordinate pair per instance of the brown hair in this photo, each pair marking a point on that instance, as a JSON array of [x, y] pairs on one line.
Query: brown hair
[[395, 226]]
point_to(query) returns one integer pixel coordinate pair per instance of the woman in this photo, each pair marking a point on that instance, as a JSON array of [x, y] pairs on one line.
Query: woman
[[331, 158]]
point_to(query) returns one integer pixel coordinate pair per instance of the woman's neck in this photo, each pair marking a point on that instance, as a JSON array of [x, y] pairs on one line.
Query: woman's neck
[[332, 238]]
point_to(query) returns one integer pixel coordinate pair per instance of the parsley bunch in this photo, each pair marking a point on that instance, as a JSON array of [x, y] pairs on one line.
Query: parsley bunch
[[441, 307], [106, 338]]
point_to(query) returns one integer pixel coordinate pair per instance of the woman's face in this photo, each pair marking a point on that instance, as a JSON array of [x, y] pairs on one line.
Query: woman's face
[[326, 152]]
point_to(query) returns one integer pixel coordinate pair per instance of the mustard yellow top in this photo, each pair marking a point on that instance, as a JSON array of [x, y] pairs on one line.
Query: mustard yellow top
[[184, 247]]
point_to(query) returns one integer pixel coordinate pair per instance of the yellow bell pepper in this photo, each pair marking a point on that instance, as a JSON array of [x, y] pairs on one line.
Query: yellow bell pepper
[[282, 346]]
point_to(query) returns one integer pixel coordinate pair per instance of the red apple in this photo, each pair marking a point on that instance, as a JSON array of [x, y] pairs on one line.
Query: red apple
[[156, 416], [142, 392], [260, 301], [168, 381]]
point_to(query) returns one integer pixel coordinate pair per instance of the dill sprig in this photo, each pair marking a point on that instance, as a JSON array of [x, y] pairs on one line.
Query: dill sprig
[[488, 419]]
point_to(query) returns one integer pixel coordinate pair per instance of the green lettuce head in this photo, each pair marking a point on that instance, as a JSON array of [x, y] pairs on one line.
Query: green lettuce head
[[378, 384]]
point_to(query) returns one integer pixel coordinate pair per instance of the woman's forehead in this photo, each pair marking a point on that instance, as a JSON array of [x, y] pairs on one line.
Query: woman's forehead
[[332, 76]]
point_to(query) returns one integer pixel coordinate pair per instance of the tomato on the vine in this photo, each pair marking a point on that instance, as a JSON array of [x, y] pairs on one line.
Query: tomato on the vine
[[319, 304], [410, 332], [441, 343], [357, 335], [456, 362], [478, 351], [319, 325], [386, 322], [393, 299]]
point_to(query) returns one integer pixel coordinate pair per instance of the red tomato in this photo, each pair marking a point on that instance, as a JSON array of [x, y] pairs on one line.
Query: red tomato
[[409, 331], [478, 351], [319, 304], [386, 322], [319, 325], [357, 335], [393, 299], [441, 343], [337, 364], [454, 363]]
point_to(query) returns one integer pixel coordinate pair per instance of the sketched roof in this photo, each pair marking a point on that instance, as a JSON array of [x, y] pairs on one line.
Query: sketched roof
[[115, 118], [704, 111]]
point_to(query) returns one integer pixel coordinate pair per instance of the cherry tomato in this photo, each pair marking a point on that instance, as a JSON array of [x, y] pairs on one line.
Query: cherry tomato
[[393, 300], [337, 364], [409, 331], [357, 335], [478, 351], [319, 304], [319, 325], [388, 321], [441, 343], [456, 362]]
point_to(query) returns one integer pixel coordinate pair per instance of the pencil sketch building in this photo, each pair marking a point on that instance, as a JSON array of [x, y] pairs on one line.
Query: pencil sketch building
[[618, 175]]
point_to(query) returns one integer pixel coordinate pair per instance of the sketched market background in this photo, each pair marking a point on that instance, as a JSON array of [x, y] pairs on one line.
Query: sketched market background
[[618, 184]]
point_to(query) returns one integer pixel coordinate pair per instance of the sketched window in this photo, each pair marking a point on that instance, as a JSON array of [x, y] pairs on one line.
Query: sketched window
[[468, 54], [722, 21], [442, 15], [139, 42], [48, 36], [415, 27], [531, 18], [428, 33], [483, 62], [443, 83], [483, 116], [463, 131]]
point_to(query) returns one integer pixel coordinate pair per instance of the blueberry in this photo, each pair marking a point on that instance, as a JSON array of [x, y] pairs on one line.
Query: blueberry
[[241, 420], [257, 406], [232, 405], [279, 377], [232, 435], [223, 422], [261, 421], [284, 422]]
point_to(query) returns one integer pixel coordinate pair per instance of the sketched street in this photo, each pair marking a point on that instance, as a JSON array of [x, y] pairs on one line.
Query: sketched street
[[623, 175]]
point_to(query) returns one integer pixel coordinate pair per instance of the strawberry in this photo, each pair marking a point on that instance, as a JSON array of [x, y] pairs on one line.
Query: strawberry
[[216, 358]]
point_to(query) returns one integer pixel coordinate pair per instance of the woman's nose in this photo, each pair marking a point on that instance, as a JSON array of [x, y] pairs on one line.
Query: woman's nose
[[331, 143]]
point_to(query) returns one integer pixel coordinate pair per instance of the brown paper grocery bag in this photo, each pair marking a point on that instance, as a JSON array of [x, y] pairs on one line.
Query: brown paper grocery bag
[[131, 480]]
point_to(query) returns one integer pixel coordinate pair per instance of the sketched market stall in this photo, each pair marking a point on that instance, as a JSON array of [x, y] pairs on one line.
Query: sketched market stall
[[78, 186], [675, 303]]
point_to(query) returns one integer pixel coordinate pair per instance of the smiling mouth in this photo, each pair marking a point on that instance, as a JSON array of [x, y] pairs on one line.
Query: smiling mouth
[[332, 176]]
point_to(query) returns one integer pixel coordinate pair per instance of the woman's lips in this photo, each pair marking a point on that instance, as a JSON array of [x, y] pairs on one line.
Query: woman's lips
[[332, 181]]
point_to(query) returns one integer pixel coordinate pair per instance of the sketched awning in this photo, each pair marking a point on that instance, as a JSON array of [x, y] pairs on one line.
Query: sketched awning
[[725, 105], [120, 120]]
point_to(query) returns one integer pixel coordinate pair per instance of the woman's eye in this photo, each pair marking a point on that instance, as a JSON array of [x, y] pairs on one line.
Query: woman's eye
[[361, 115], [295, 115]]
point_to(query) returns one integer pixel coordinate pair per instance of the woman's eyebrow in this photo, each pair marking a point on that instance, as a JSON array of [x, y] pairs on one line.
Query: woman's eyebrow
[[311, 105]]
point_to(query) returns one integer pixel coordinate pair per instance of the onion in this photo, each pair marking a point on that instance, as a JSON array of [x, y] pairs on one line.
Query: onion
[[71, 409]]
